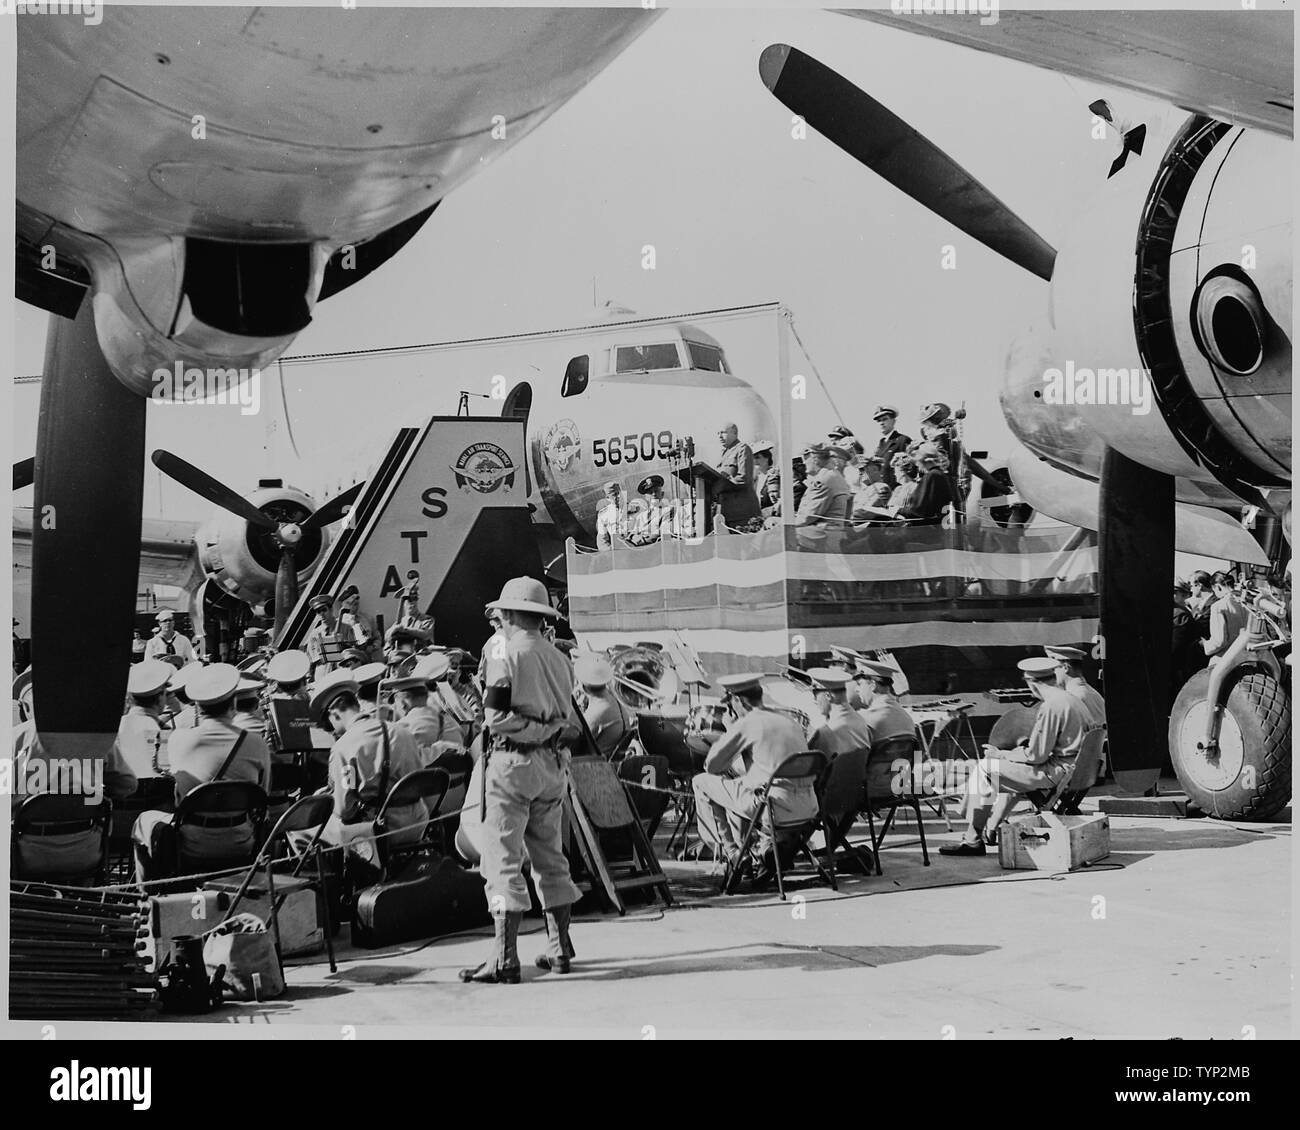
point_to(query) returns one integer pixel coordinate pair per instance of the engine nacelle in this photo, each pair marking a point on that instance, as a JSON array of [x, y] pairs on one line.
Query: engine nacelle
[[243, 559], [1196, 296]]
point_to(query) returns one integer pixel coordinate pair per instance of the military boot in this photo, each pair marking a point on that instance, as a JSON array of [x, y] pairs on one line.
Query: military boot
[[559, 949], [502, 968]]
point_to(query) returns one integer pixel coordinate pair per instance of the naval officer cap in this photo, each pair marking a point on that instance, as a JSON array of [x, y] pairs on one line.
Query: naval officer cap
[[407, 683], [593, 670], [873, 669], [180, 680], [829, 678], [649, 483], [736, 684], [1038, 667], [884, 410], [291, 666], [368, 674], [213, 684], [1068, 654], [326, 689], [147, 678], [321, 600], [248, 684], [432, 667]]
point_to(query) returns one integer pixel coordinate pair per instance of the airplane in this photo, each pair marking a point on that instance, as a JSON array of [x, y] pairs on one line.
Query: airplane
[[1181, 271], [205, 177]]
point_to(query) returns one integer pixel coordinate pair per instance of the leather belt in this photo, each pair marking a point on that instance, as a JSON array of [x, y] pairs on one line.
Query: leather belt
[[203, 821], [505, 745]]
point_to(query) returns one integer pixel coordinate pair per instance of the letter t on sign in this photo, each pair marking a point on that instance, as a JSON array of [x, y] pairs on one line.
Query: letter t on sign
[[415, 536]]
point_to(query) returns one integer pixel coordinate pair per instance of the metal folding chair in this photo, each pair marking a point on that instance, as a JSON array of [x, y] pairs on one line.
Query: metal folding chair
[[54, 814], [809, 767], [839, 797], [218, 804], [428, 785], [882, 790]]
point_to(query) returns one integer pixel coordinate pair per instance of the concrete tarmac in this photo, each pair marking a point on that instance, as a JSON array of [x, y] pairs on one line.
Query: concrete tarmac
[[1184, 931]]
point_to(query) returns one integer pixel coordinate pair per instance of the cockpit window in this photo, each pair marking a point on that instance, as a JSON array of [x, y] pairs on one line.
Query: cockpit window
[[707, 357], [638, 358], [575, 376]]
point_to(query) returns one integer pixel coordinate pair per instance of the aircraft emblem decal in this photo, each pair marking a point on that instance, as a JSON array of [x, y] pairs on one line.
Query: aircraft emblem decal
[[562, 444], [484, 467]]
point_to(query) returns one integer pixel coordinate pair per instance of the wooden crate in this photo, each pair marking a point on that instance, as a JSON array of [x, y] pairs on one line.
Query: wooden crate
[[1047, 842]]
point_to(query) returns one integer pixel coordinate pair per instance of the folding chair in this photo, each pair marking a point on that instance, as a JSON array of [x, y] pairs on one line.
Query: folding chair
[[51, 814], [428, 785], [882, 790], [310, 814], [839, 796], [218, 804], [458, 765], [1075, 785], [665, 736], [801, 767]]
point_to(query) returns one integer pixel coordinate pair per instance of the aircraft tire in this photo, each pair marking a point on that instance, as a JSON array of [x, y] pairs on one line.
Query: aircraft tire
[[1250, 779]]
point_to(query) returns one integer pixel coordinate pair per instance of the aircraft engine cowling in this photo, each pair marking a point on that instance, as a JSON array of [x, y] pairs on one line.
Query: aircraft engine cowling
[[243, 560], [1197, 297]]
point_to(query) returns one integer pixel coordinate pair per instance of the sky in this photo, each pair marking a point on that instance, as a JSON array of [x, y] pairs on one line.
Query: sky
[[678, 145]]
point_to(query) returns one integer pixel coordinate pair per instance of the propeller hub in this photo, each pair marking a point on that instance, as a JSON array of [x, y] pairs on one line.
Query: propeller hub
[[290, 533]]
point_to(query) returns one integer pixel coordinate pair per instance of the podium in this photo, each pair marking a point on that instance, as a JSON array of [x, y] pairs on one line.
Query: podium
[[702, 480]]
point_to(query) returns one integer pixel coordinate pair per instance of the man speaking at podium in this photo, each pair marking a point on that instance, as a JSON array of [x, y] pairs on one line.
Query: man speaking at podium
[[735, 495]]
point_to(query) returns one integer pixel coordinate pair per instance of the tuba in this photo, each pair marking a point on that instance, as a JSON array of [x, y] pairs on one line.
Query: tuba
[[644, 678]]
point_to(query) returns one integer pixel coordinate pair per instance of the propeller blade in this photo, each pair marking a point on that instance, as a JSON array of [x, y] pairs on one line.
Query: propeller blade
[[204, 485], [887, 145], [1136, 527], [333, 510], [24, 473], [286, 590], [90, 444]]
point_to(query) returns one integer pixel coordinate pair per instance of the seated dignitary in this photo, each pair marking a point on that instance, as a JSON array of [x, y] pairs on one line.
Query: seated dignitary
[[368, 758], [884, 717], [606, 717], [837, 728], [433, 728], [215, 749], [826, 498], [1047, 757], [743, 758]]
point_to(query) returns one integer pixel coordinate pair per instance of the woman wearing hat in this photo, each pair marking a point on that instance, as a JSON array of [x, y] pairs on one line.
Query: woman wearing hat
[[935, 492], [528, 714], [768, 481]]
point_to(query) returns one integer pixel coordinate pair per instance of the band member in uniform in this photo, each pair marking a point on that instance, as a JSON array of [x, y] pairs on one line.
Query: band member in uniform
[[606, 717], [891, 442], [838, 728], [1047, 757], [736, 499], [350, 616], [138, 739], [185, 715], [756, 743], [199, 755], [884, 717], [433, 729], [1069, 677], [248, 705], [368, 677], [529, 716], [366, 761], [326, 638], [167, 641]]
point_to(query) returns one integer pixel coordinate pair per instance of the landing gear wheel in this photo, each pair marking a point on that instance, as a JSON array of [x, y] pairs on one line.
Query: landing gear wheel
[[1249, 776]]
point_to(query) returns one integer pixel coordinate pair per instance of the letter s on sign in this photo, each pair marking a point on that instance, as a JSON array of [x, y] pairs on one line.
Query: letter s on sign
[[434, 506]]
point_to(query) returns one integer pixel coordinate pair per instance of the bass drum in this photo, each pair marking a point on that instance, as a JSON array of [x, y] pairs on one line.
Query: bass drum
[[1249, 777]]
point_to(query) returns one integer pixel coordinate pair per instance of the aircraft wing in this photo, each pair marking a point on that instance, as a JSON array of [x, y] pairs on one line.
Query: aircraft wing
[[1235, 66], [167, 555]]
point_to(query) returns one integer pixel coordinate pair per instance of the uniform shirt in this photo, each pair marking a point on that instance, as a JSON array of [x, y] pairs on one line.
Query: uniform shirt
[[763, 739], [119, 781], [826, 495], [842, 731], [157, 647], [539, 679], [609, 526], [356, 769], [428, 726], [1059, 726], [250, 720], [656, 520], [186, 716], [1228, 616], [769, 490], [1089, 696], [886, 449], [885, 719], [737, 501], [316, 639], [198, 753], [141, 727], [607, 720]]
